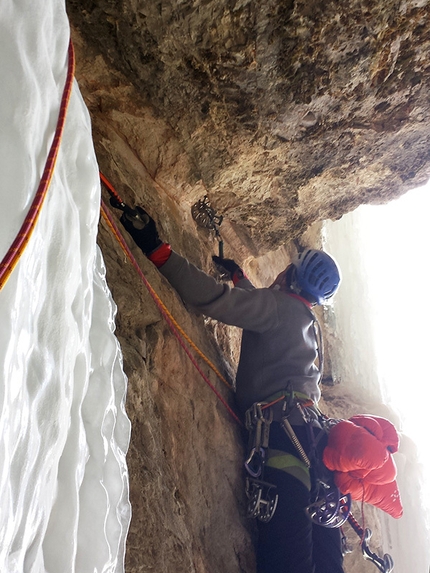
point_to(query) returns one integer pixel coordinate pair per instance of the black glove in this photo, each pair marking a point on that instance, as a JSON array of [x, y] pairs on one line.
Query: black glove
[[229, 266], [142, 228]]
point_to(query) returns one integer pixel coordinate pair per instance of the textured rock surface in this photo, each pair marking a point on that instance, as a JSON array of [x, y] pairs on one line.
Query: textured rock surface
[[289, 111], [284, 113]]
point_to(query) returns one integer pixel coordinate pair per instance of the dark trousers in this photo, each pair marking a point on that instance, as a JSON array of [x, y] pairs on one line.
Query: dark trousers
[[290, 542]]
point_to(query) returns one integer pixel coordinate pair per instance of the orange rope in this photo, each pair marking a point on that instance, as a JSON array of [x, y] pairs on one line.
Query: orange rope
[[15, 251], [174, 326], [110, 188], [118, 237], [363, 519]]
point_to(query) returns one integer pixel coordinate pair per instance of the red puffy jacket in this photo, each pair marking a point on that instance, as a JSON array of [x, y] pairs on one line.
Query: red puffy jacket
[[359, 452]]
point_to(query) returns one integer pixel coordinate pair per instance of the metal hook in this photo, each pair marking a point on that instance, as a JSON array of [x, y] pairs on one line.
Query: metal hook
[[385, 564], [254, 463]]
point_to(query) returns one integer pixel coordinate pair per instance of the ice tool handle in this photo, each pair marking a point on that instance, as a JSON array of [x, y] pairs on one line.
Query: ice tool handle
[[131, 213]]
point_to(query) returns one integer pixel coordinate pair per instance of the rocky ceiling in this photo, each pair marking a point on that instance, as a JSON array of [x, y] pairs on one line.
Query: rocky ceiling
[[284, 112], [287, 111]]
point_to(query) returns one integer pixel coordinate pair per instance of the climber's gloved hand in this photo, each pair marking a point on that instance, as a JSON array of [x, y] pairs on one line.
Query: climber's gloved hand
[[230, 267], [142, 229]]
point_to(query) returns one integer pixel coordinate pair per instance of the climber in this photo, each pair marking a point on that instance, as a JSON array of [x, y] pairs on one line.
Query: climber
[[279, 366]]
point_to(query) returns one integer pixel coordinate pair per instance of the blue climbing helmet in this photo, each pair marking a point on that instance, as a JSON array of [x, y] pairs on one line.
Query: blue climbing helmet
[[316, 275]]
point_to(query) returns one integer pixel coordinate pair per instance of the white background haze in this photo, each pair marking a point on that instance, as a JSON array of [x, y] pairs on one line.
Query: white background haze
[[382, 323], [63, 428]]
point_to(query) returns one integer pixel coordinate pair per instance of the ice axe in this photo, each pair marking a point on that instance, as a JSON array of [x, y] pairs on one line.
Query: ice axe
[[205, 216]]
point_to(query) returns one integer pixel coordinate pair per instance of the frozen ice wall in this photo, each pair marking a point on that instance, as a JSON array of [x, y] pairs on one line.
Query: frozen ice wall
[[63, 429]]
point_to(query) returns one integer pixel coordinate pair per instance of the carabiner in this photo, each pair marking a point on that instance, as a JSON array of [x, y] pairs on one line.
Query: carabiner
[[254, 463]]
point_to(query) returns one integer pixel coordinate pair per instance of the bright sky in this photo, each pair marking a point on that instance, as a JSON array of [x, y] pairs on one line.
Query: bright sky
[[396, 247], [394, 257], [396, 241], [383, 340]]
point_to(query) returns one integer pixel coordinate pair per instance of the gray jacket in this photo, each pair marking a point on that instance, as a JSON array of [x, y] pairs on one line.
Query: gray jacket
[[279, 344]]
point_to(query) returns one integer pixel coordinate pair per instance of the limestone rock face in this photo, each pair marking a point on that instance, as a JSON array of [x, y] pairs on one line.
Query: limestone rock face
[[289, 111], [284, 113]]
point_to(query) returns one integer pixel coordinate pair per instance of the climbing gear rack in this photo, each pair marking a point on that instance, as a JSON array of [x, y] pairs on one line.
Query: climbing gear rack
[[261, 495], [329, 508]]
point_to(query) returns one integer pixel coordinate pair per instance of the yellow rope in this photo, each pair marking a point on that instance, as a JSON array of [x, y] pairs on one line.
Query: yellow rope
[[165, 309]]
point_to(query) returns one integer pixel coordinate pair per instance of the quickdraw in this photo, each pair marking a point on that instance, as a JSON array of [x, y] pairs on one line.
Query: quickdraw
[[385, 564], [257, 422], [262, 496]]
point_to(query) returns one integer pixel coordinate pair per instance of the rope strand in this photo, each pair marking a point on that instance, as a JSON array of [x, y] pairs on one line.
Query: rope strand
[[112, 191], [10, 260], [173, 325]]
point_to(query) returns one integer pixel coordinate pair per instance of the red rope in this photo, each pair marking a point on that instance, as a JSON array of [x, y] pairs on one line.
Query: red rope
[[106, 214], [15, 251], [362, 513], [110, 188]]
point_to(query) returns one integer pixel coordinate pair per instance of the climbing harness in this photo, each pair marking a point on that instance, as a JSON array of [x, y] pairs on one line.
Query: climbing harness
[[329, 507], [175, 328], [10, 260], [205, 216]]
